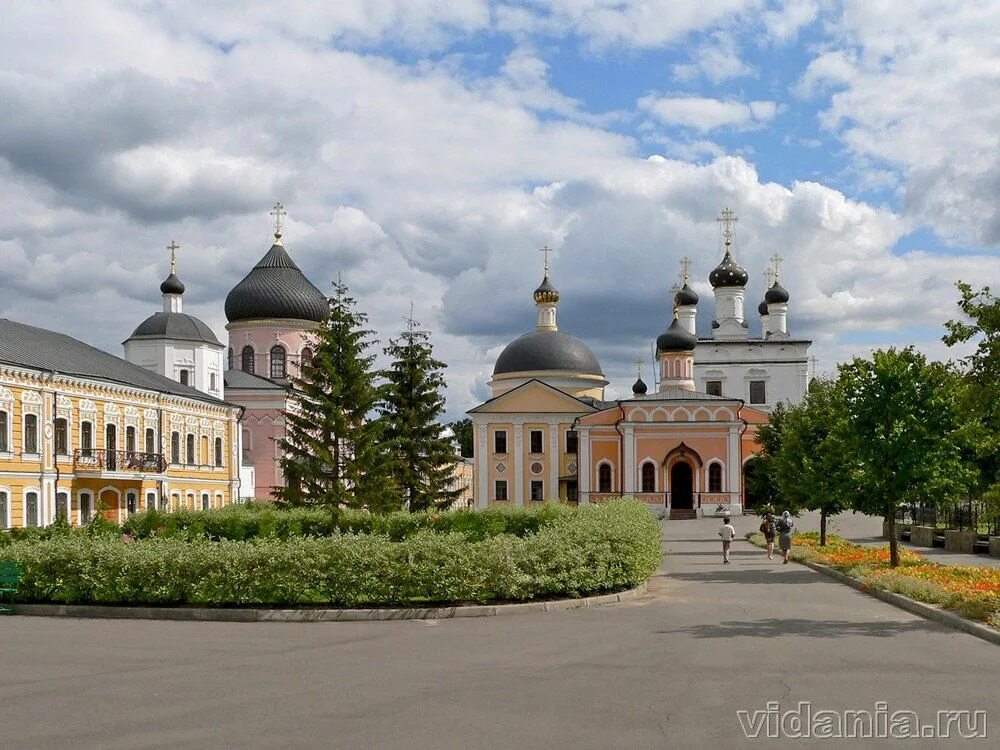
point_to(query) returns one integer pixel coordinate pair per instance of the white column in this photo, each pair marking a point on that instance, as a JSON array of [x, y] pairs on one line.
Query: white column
[[628, 470], [583, 462], [518, 464], [554, 461], [735, 468], [482, 465]]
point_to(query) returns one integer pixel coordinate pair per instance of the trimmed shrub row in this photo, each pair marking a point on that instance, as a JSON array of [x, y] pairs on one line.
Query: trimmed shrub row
[[596, 548]]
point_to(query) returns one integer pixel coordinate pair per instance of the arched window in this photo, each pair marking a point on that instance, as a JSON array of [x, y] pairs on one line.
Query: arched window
[[30, 508], [4, 431], [715, 477], [247, 357], [604, 478], [175, 447], [205, 501], [218, 451], [306, 358], [131, 503], [62, 506], [648, 477], [232, 359], [150, 501], [130, 439], [150, 440], [190, 449], [277, 362], [86, 508], [4, 509]]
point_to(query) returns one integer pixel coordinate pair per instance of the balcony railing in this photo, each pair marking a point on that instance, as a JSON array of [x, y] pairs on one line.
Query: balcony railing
[[104, 460]]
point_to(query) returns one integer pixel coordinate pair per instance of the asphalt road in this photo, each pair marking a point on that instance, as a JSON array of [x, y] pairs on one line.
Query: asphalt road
[[670, 670]]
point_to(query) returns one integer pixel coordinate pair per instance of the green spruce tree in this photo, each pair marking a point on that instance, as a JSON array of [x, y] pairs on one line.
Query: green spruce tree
[[332, 443], [422, 462]]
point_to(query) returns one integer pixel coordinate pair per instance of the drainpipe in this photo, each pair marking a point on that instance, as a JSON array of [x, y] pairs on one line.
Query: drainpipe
[[55, 455], [575, 421], [621, 451]]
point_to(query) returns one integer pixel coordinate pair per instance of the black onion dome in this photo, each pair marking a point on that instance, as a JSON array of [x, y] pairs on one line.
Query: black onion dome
[[173, 325], [762, 307], [676, 339], [686, 296], [276, 288], [639, 388], [776, 293], [728, 273], [547, 350], [546, 292], [172, 285]]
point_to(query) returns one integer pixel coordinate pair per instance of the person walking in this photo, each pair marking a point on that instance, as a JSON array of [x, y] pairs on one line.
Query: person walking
[[784, 526], [768, 530], [728, 533]]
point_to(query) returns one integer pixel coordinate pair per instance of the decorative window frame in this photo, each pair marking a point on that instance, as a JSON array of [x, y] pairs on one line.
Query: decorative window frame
[[146, 497], [31, 404], [118, 499], [5, 520], [722, 475], [39, 510], [80, 495], [597, 476], [278, 344], [494, 488], [656, 474], [248, 344]]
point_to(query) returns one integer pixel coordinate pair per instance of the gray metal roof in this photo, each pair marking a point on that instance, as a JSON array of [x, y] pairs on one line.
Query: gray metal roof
[[171, 325], [679, 394], [547, 350], [242, 379], [276, 288], [40, 349]]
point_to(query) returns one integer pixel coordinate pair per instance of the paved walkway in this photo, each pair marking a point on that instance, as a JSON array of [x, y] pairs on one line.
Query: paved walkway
[[868, 530], [669, 671]]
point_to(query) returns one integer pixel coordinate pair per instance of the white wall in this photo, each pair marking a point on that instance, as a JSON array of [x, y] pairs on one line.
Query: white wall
[[168, 356], [783, 365]]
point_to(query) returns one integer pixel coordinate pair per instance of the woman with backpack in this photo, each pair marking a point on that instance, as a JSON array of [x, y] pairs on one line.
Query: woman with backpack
[[767, 529], [784, 528]]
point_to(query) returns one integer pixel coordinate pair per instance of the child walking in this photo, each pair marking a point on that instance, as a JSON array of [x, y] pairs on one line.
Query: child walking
[[728, 533]]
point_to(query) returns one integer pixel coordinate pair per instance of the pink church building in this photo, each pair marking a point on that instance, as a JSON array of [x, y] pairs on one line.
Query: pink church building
[[272, 313]]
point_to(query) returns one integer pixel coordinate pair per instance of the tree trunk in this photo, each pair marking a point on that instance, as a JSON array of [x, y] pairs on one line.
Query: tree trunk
[[822, 527], [893, 541]]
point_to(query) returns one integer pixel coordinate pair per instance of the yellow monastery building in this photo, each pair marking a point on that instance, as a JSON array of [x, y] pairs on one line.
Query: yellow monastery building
[[83, 431]]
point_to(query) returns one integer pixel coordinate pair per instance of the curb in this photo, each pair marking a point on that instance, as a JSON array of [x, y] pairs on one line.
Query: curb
[[208, 614], [928, 611]]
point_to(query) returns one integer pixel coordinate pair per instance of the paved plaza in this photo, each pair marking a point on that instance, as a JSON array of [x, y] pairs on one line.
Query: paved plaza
[[670, 670]]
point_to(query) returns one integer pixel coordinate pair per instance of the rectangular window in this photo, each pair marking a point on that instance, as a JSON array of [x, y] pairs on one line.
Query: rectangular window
[[218, 451], [536, 441], [185, 377], [175, 447], [131, 503], [150, 501], [500, 441], [713, 387], [31, 435], [87, 438], [537, 490], [4, 427], [150, 440], [758, 394], [572, 441], [130, 439], [190, 449], [500, 490], [61, 436], [85, 508], [214, 381], [205, 501], [572, 491]]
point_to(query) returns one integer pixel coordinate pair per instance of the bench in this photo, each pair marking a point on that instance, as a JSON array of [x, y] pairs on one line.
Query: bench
[[10, 577]]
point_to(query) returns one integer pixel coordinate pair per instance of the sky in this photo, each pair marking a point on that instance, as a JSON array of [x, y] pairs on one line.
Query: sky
[[425, 151]]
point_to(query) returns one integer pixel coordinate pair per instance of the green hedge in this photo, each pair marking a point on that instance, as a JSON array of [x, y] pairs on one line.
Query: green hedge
[[264, 520], [596, 548]]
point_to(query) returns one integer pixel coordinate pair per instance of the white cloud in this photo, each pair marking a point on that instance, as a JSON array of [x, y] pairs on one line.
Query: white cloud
[[918, 89], [717, 60], [705, 113]]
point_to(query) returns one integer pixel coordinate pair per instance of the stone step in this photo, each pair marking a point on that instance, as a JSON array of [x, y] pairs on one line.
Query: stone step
[[677, 514]]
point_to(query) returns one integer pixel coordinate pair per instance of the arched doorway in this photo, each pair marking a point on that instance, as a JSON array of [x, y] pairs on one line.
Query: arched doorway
[[681, 486]]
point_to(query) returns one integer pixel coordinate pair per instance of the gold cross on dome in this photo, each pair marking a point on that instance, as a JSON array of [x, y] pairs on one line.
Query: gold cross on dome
[[727, 218], [686, 268], [173, 247], [545, 250], [277, 213], [776, 264]]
